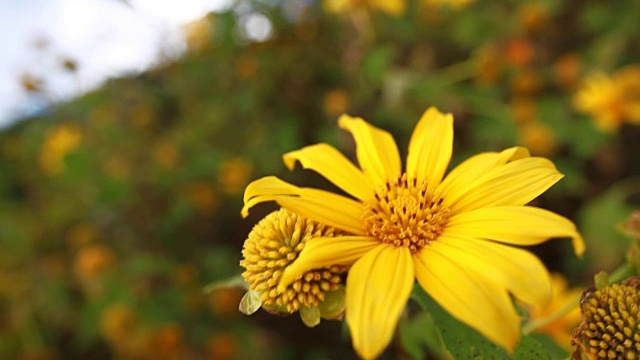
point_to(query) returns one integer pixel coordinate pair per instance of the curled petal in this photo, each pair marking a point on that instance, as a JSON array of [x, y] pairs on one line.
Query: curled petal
[[322, 206]]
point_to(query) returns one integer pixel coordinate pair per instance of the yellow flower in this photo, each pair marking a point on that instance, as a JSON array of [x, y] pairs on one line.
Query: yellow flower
[[610, 326], [451, 234], [611, 99], [566, 303], [59, 142], [391, 7], [271, 247]]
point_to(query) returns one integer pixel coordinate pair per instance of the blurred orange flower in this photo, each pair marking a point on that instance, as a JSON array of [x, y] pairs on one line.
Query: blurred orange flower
[[223, 346], [92, 261]]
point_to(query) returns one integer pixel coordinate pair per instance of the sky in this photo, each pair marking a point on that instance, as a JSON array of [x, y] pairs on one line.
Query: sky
[[105, 38]]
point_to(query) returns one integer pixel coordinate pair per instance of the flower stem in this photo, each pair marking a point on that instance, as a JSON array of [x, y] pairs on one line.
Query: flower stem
[[571, 304]]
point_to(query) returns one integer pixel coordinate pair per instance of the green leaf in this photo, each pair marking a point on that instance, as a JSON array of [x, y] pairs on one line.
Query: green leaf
[[464, 342], [250, 302], [420, 334], [599, 219]]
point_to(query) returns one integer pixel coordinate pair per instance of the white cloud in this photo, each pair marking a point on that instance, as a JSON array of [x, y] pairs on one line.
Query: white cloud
[[105, 37]]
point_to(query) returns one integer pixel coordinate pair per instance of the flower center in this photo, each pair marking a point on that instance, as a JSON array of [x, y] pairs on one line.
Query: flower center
[[271, 246], [611, 322], [405, 213]]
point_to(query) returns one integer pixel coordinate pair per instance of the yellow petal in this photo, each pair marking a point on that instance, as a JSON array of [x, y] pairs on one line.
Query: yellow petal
[[375, 148], [481, 304], [516, 270], [518, 225], [378, 287], [473, 168], [330, 163], [326, 251], [430, 147], [322, 206], [515, 183]]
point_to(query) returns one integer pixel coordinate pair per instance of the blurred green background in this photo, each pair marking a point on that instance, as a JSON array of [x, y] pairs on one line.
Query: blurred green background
[[118, 207]]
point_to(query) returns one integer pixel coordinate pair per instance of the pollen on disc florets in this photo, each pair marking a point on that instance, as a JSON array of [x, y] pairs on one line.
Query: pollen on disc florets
[[271, 246], [610, 327], [405, 213]]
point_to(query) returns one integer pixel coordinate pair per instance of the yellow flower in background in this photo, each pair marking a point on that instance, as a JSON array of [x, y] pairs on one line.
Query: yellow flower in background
[[611, 100], [538, 137], [58, 143], [203, 197], [450, 234], [390, 7], [336, 102], [454, 4], [560, 328], [234, 174]]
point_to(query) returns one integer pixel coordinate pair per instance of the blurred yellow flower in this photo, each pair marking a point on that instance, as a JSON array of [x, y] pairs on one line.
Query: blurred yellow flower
[[538, 137], [92, 261], [566, 70], [489, 64], [203, 196], [451, 234], [336, 102], [559, 328], [523, 109], [246, 66], [611, 99], [454, 4], [234, 174], [390, 7], [533, 16], [198, 33], [166, 155], [117, 323], [81, 234], [526, 82], [117, 167], [58, 143]]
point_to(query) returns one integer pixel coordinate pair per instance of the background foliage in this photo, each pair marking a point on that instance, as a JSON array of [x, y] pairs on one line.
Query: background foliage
[[118, 207]]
